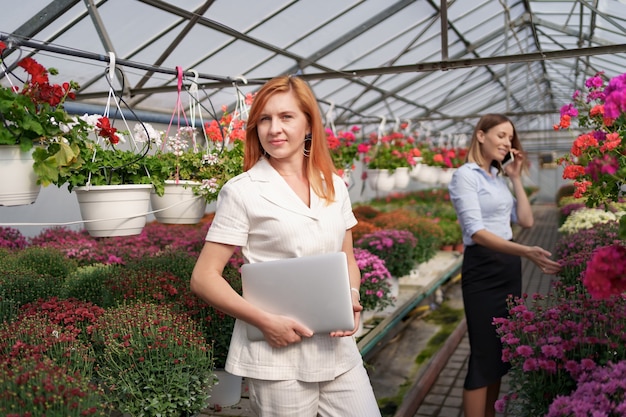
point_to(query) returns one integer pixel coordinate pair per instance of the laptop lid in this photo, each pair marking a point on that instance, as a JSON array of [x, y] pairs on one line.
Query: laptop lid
[[314, 290]]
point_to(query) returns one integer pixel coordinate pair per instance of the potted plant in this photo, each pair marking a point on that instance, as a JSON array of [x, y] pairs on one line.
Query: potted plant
[[343, 149], [597, 159], [33, 117], [388, 159], [112, 183], [191, 173]]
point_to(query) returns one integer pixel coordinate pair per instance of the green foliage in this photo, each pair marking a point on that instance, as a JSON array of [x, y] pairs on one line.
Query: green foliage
[[155, 362], [89, 283], [45, 261], [176, 262], [21, 285], [451, 232], [209, 168]]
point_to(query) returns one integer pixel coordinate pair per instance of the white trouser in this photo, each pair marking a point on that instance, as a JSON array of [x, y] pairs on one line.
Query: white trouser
[[348, 395]]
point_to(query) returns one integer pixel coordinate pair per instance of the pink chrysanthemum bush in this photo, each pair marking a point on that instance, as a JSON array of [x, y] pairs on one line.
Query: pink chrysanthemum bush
[[575, 250], [396, 247], [550, 340], [375, 287]]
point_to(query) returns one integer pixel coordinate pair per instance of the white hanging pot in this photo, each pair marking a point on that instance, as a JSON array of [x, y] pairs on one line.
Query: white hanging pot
[[445, 175], [381, 180], [402, 177], [178, 204], [19, 186], [114, 210], [417, 167], [428, 174], [226, 391]]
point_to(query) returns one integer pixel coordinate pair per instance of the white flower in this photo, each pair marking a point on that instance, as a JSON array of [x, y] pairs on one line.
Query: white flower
[[146, 132], [586, 218], [210, 158]]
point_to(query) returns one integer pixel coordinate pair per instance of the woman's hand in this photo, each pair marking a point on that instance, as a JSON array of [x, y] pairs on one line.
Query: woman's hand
[[356, 308], [281, 331], [541, 258]]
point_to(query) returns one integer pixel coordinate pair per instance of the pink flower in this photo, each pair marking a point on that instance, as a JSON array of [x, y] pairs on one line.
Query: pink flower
[[606, 272]]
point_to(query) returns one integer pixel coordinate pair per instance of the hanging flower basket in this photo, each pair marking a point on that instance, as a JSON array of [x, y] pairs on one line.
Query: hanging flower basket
[[114, 210], [21, 186], [178, 204]]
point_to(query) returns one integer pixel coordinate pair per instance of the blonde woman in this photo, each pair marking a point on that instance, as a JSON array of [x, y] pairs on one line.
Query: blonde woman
[[492, 268]]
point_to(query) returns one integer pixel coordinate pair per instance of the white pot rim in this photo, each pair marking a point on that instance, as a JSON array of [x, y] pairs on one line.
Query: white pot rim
[[86, 188], [182, 182]]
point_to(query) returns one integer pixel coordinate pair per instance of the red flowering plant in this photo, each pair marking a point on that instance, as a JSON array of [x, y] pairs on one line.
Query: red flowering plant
[[391, 151], [344, 148], [32, 116]]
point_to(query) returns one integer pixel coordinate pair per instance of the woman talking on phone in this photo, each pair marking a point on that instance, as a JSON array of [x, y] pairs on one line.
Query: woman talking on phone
[[492, 268]]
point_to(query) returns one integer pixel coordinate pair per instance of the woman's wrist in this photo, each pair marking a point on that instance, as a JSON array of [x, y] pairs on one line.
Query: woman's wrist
[[355, 290]]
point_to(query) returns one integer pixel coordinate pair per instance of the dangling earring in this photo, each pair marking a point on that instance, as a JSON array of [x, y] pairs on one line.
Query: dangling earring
[[264, 152], [307, 139]]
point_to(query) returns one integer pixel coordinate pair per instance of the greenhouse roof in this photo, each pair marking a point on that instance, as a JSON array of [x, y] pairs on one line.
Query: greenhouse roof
[[375, 63]]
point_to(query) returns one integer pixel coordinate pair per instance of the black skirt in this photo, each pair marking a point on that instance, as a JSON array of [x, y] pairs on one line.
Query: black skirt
[[488, 278]]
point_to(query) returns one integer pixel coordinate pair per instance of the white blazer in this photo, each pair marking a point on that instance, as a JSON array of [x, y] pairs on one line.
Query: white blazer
[[258, 211]]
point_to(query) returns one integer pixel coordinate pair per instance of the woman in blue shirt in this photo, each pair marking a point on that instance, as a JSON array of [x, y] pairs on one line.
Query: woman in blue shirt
[[491, 268]]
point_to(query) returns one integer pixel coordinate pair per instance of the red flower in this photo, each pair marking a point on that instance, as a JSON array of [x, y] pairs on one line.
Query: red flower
[[107, 131]]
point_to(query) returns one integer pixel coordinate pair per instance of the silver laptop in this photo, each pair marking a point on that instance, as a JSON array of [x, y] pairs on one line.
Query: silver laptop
[[314, 290]]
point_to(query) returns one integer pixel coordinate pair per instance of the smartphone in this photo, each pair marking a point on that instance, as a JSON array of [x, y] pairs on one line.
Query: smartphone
[[508, 159]]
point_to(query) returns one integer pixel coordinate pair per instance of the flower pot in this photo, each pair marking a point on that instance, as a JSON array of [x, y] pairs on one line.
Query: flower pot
[[381, 180], [445, 175], [178, 204], [20, 185], [226, 391], [415, 170], [428, 174], [114, 210], [402, 177]]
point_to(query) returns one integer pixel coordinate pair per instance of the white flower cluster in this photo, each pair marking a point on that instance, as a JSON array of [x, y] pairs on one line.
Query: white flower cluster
[[586, 218]]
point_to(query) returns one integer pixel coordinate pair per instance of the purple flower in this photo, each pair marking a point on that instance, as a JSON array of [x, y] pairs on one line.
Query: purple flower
[[569, 110], [615, 94]]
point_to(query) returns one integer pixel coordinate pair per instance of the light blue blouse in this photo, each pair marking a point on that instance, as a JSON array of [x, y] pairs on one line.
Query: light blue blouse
[[482, 202]]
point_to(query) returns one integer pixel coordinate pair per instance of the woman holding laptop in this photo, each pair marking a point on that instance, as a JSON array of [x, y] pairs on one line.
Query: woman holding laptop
[[288, 203]]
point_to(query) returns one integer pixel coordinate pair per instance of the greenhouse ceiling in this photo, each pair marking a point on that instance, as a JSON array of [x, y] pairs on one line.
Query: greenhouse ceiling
[[379, 64]]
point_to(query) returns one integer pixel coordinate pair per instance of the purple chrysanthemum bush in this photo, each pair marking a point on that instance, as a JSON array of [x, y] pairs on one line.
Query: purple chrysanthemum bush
[[561, 344], [600, 391]]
